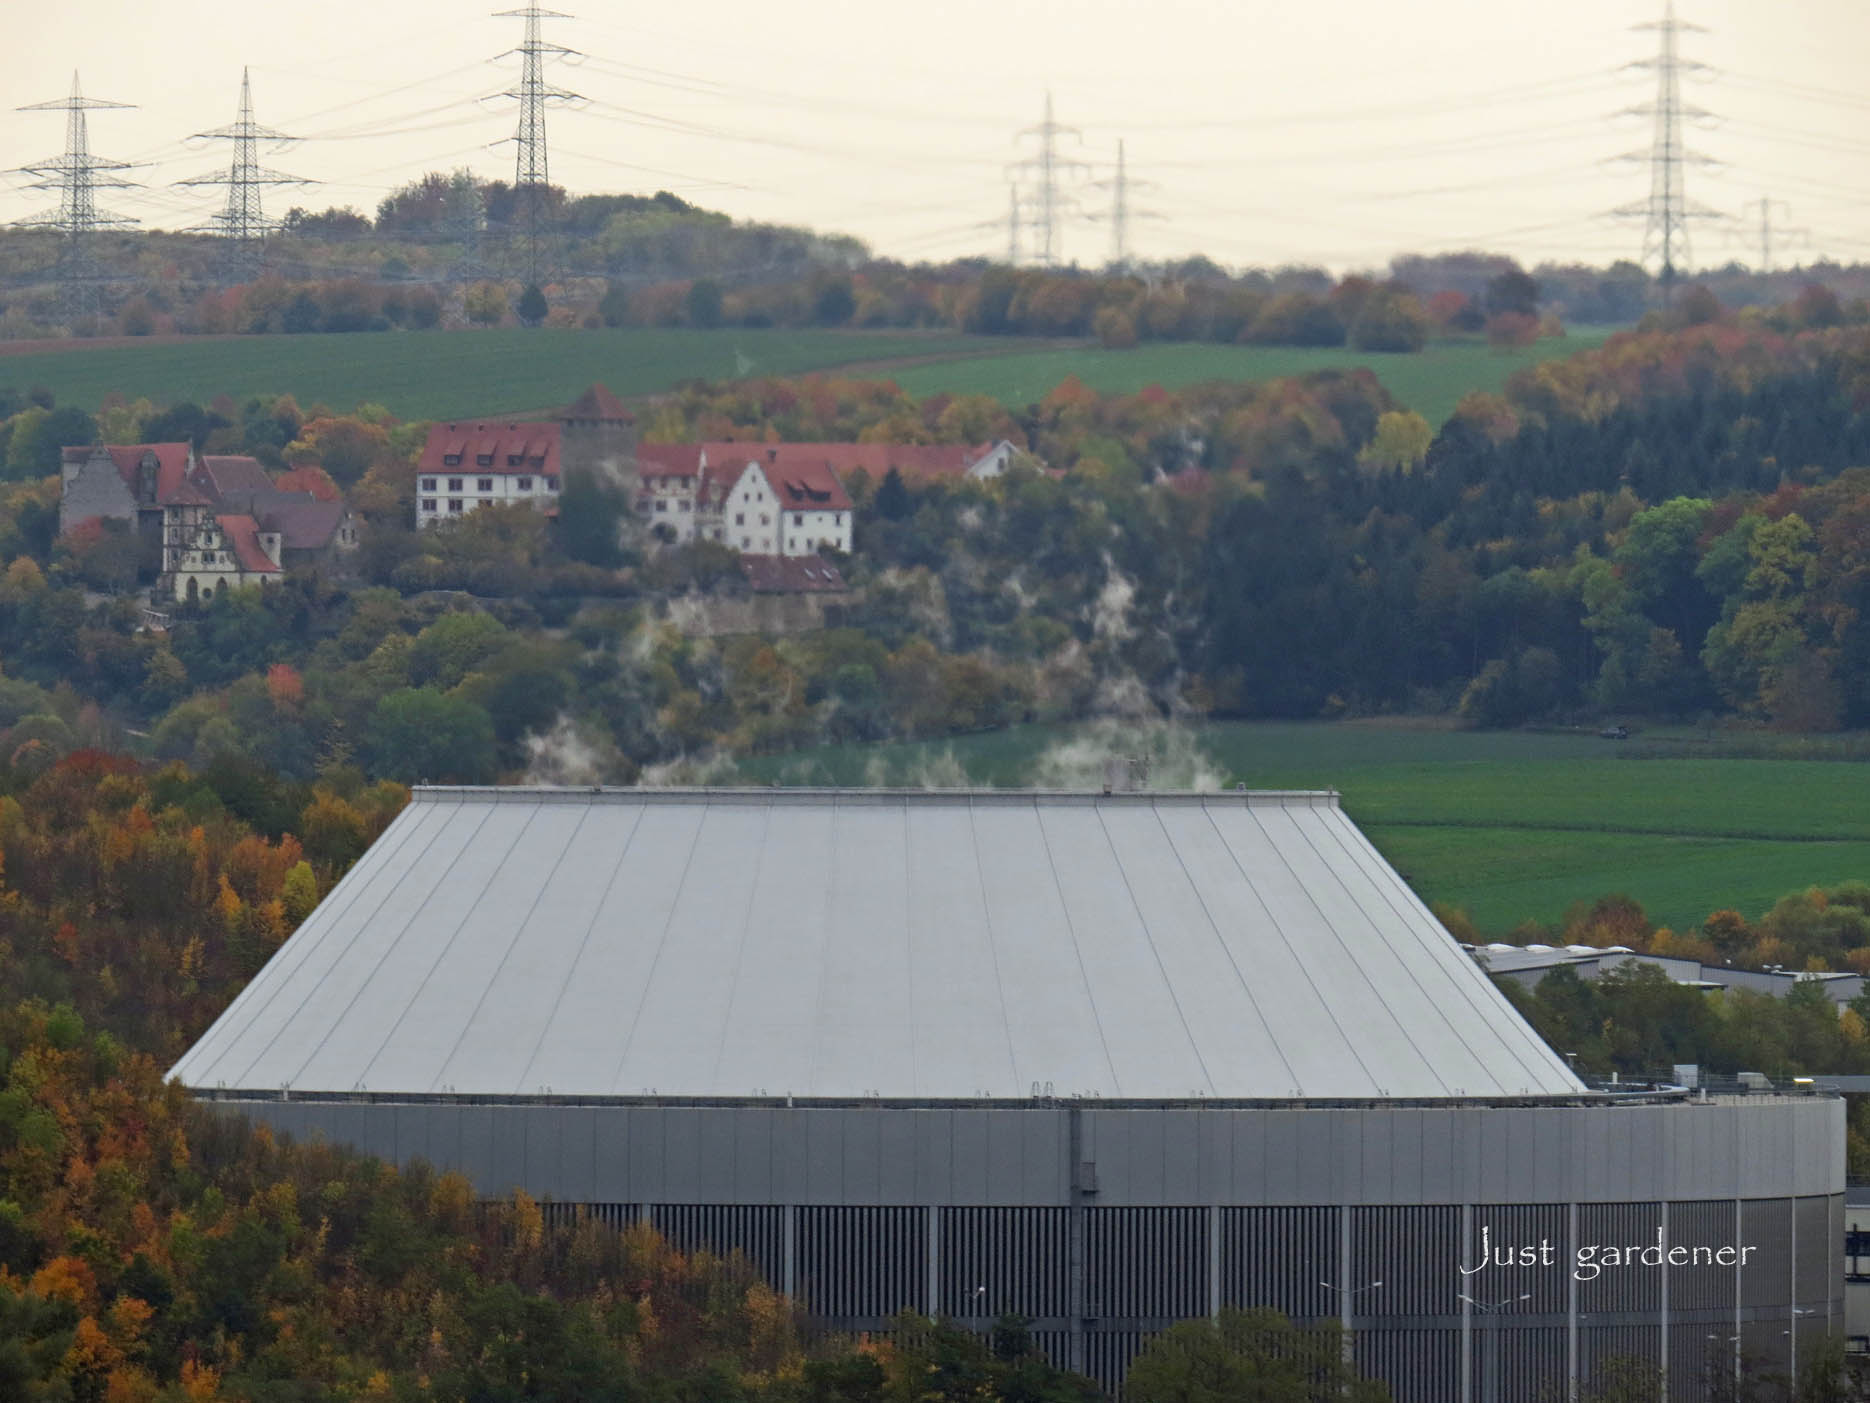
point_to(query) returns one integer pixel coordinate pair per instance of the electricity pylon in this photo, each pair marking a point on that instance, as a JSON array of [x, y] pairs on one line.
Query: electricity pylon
[[1049, 204], [77, 175], [1768, 231], [532, 184], [1668, 210], [242, 222], [1122, 211]]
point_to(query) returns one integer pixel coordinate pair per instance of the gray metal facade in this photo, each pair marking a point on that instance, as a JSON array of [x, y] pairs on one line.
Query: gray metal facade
[[1733, 1147], [984, 945], [1106, 1224]]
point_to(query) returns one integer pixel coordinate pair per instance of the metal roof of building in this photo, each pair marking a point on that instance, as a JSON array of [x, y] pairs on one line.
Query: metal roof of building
[[858, 943]]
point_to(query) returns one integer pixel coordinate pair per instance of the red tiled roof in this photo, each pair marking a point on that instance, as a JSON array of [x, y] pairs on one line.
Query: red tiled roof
[[1189, 482], [171, 463], [310, 478], [668, 460], [498, 441], [600, 404], [243, 538], [188, 495], [303, 525], [802, 475], [802, 484], [791, 574], [914, 462], [221, 474]]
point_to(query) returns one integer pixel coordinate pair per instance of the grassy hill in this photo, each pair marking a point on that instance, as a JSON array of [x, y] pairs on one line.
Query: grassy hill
[[1508, 826], [438, 375], [1431, 381]]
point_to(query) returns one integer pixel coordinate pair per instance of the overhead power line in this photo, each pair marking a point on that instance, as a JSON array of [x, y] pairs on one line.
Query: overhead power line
[[242, 221]]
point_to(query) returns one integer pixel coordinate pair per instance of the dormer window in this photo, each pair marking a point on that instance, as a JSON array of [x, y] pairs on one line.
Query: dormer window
[[513, 460], [451, 460], [484, 460]]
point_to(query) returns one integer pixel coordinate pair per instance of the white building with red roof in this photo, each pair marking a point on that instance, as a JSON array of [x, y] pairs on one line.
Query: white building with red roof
[[779, 499], [786, 499], [466, 466]]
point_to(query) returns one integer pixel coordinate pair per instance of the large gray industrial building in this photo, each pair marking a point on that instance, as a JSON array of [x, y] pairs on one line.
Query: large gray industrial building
[[1108, 1061]]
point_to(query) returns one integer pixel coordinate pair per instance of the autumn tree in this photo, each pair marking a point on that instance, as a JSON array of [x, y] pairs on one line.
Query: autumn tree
[[1401, 441], [485, 303]]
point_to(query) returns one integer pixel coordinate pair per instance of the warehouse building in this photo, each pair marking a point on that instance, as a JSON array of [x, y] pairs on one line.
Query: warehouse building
[[1108, 1061]]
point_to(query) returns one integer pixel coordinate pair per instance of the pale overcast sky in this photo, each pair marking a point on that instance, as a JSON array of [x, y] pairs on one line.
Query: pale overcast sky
[[1338, 132]]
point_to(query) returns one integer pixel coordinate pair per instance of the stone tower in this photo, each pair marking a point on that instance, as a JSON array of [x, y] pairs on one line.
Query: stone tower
[[598, 436]]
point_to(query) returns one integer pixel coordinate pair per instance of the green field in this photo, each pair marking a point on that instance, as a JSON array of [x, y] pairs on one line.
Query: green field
[[1510, 827], [1431, 381], [438, 375]]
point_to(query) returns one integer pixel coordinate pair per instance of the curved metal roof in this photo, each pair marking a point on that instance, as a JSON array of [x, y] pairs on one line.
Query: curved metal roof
[[904, 945]]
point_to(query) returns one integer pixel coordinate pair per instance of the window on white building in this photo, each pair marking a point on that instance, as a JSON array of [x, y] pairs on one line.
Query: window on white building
[[765, 520], [551, 484], [484, 484], [792, 543], [682, 505], [428, 484], [662, 504], [454, 504], [428, 504], [740, 518], [798, 518], [454, 484], [524, 484], [745, 543]]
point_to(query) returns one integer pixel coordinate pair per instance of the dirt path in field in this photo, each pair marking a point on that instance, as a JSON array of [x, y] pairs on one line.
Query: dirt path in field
[[1021, 347], [100, 343], [96, 343]]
